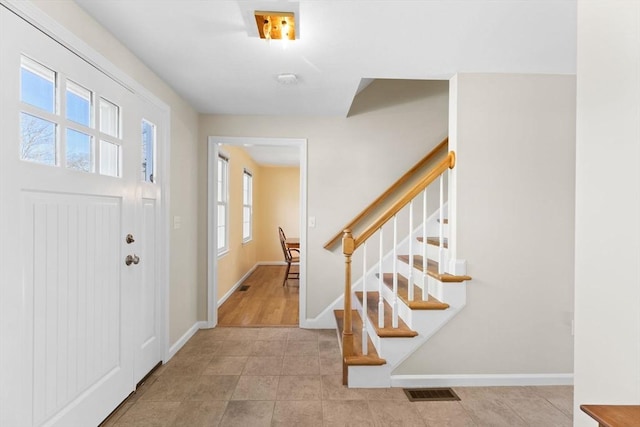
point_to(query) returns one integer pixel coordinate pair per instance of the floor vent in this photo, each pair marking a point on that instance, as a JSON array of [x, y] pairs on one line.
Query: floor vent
[[430, 394], [243, 288]]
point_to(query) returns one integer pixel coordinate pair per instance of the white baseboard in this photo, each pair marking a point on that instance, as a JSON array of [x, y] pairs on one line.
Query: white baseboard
[[480, 380], [184, 338], [236, 286]]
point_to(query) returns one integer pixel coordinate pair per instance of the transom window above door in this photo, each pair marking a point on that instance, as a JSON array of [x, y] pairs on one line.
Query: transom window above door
[[65, 124]]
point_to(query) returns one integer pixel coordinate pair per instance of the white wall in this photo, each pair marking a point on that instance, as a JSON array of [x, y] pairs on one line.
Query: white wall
[[184, 154], [391, 126], [607, 268], [515, 144]]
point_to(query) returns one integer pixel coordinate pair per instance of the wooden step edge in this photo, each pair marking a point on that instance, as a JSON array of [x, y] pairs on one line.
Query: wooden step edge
[[432, 270], [435, 241], [371, 358], [426, 305], [448, 278], [402, 331], [361, 360], [431, 304]]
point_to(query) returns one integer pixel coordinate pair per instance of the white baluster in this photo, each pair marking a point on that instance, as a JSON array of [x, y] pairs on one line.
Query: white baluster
[[365, 316], [425, 290], [441, 232], [380, 284], [394, 306], [410, 278]]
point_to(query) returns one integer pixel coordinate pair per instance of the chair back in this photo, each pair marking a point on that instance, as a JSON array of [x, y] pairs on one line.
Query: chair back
[[285, 251]]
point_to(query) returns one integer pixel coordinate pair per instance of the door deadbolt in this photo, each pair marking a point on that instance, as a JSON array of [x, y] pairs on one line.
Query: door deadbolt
[[132, 259], [129, 239]]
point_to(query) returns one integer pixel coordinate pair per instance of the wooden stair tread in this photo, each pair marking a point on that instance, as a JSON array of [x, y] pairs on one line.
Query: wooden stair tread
[[358, 359], [402, 331], [432, 269], [435, 240], [431, 303]]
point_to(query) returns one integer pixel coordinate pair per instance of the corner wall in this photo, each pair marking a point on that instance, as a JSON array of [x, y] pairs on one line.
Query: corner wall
[[515, 145], [607, 268]]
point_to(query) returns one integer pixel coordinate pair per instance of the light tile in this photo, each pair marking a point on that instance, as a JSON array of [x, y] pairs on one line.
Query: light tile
[[263, 366], [395, 413], [302, 348], [246, 413], [330, 366], [332, 389], [444, 414], [187, 365], [149, 414], [213, 387], [236, 348], [537, 411], [273, 334], [225, 365], [299, 388], [116, 415], [170, 388], [256, 388], [390, 393], [296, 334], [301, 365], [492, 413], [199, 414], [307, 413], [269, 348], [352, 413]]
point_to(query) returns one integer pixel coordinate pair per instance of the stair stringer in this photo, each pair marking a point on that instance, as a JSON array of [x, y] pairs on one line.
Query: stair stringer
[[396, 350]]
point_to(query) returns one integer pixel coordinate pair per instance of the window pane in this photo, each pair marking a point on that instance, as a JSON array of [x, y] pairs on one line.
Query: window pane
[[78, 104], [222, 218], [78, 150], [37, 139], [222, 236], [148, 150], [109, 118], [109, 158], [37, 85]]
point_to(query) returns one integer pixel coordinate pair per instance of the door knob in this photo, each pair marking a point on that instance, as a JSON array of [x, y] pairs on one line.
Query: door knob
[[132, 259], [129, 239]]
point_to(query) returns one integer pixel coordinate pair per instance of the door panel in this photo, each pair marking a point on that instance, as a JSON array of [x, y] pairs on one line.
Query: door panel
[[147, 339], [78, 327], [71, 269]]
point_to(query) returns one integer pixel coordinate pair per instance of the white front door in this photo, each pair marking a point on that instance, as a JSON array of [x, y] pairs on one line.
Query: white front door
[[78, 321]]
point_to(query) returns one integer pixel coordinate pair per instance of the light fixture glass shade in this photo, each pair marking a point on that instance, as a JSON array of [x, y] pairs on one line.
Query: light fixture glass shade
[[276, 25]]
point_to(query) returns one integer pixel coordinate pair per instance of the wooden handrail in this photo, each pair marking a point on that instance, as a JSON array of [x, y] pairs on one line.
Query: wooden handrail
[[394, 187], [350, 244], [447, 163]]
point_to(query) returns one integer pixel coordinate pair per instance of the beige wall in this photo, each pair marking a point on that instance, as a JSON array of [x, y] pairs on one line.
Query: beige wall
[[276, 202], [351, 160], [515, 203], [277, 195], [185, 177], [607, 341], [241, 257]]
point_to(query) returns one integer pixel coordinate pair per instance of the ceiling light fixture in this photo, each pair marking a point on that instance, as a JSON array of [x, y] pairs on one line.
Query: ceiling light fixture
[[287, 79], [276, 25]]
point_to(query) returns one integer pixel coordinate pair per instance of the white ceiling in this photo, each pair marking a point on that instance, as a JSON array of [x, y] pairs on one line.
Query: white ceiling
[[210, 53]]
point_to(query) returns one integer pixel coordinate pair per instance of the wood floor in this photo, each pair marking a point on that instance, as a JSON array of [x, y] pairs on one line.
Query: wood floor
[[265, 302]]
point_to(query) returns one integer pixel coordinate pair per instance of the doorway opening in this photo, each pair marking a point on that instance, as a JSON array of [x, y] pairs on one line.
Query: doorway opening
[[234, 258]]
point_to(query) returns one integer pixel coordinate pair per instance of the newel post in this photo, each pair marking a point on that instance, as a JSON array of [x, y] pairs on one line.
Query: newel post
[[348, 246]]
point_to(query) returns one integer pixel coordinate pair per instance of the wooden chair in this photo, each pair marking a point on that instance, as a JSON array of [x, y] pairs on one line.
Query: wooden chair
[[289, 258]]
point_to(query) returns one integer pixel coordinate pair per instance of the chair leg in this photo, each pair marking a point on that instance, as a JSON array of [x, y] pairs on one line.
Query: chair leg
[[286, 274]]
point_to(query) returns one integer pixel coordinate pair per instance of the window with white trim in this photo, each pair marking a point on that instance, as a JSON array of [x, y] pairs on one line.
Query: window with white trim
[[223, 204], [61, 126], [247, 205]]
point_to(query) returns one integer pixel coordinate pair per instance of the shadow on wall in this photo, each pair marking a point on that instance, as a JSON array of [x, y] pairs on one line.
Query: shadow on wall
[[382, 94]]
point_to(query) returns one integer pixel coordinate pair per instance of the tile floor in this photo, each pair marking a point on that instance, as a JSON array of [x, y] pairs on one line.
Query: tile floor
[[253, 377]]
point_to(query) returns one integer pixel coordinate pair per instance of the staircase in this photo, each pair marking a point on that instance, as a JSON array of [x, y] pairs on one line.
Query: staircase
[[406, 296]]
